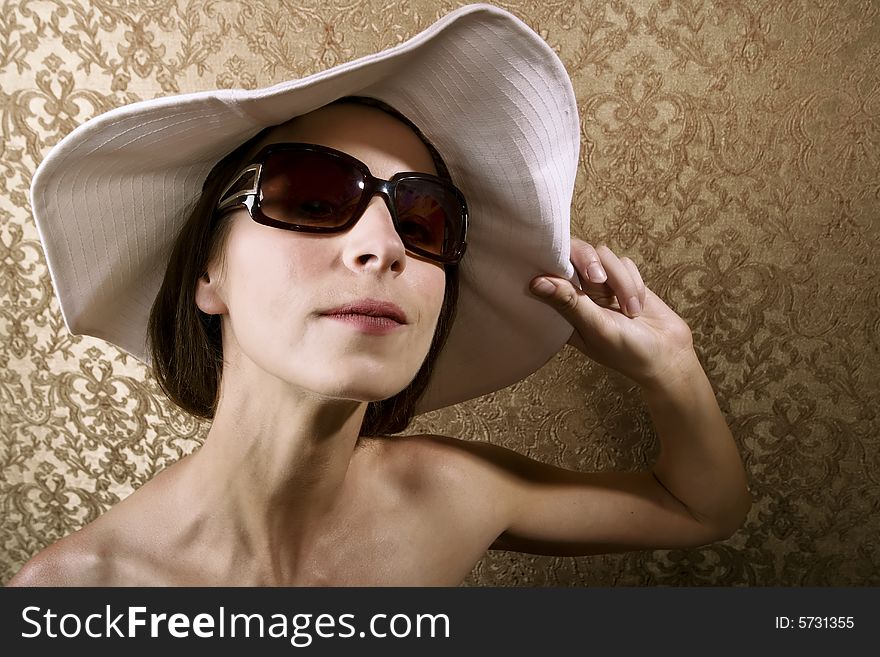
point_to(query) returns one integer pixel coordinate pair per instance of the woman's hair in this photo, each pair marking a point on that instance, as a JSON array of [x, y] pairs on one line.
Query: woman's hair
[[185, 343]]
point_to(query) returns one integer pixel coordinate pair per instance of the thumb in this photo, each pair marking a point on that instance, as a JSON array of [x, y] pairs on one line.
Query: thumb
[[562, 295]]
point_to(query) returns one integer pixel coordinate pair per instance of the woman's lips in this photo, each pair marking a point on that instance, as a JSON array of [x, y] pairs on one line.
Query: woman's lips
[[371, 316], [367, 323]]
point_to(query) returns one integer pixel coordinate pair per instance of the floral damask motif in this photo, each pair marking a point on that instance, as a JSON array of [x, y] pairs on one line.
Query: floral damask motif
[[236, 75], [838, 134], [711, 566], [725, 294], [636, 144], [18, 258], [100, 402], [729, 148], [17, 38], [801, 453], [139, 53], [602, 38], [51, 497], [52, 110], [635, 137]]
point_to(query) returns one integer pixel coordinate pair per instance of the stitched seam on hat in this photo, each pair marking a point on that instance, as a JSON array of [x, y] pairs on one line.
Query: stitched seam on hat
[[565, 172], [102, 225], [196, 116]]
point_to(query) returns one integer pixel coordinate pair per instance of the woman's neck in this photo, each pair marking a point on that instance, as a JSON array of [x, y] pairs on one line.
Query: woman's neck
[[272, 471]]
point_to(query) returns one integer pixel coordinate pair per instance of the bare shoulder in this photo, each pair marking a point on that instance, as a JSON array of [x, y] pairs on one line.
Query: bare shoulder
[[453, 457], [463, 474], [425, 460], [75, 560]]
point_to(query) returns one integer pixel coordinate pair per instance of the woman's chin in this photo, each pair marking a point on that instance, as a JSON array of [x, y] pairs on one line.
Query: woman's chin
[[373, 395], [364, 391]]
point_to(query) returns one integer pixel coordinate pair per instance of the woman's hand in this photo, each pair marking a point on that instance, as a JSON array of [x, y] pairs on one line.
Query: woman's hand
[[647, 341]]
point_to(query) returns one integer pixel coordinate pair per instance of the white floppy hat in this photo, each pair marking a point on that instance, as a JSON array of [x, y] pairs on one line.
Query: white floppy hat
[[485, 90]]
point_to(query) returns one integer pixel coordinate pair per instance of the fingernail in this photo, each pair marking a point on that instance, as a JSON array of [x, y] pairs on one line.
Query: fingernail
[[633, 307], [596, 273], [543, 287]]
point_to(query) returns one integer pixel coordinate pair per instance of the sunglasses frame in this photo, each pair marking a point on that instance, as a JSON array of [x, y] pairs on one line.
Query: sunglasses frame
[[250, 196]]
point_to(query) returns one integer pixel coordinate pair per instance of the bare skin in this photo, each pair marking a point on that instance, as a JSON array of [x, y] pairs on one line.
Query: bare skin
[[284, 493], [395, 526]]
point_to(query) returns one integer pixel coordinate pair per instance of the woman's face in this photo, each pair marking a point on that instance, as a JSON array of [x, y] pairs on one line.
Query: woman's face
[[277, 286]]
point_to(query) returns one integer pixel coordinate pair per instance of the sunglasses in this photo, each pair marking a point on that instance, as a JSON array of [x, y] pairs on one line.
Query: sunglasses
[[317, 189]]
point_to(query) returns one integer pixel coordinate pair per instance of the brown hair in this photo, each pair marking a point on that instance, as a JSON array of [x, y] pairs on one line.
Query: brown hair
[[185, 343]]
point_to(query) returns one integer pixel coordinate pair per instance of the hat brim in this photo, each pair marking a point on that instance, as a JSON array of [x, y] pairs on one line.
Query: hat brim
[[486, 90]]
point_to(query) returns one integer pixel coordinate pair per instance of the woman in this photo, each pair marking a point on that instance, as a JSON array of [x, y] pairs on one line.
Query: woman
[[321, 264]]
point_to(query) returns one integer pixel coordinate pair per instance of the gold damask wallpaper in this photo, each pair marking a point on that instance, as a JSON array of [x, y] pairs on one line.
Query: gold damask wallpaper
[[731, 148]]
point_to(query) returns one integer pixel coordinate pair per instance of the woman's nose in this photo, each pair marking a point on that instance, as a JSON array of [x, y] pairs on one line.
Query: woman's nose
[[373, 243]]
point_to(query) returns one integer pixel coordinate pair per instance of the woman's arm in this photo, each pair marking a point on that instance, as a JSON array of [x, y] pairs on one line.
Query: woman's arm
[[696, 492], [525, 505], [699, 463]]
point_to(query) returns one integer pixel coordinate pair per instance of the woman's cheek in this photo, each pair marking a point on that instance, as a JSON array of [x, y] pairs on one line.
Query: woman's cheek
[[438, 289]]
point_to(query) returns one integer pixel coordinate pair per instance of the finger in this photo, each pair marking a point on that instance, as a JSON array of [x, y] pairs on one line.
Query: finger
[[634, 272], [564, 297], [621, 281], [587, 262]]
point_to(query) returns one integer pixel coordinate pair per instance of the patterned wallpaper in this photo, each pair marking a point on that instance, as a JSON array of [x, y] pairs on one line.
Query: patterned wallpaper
[[731, 148]]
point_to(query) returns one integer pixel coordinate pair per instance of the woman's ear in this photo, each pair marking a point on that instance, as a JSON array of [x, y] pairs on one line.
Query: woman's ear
[[208, 297]]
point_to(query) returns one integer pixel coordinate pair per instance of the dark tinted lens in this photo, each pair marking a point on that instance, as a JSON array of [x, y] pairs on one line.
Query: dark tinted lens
[[309, 189], [429, 216]]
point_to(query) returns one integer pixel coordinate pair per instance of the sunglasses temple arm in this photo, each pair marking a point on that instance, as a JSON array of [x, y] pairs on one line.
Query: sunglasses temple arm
[[251, 175]]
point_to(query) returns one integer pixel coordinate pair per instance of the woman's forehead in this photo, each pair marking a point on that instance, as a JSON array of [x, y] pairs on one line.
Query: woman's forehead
[[362, 131]]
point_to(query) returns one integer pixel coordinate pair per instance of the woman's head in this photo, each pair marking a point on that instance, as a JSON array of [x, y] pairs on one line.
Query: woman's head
[[271, 286]]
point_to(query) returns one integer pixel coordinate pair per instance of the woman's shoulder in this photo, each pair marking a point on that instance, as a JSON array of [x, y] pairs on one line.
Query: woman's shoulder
[[79, 559], [412, 455], [439, 451], [435, 463]]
